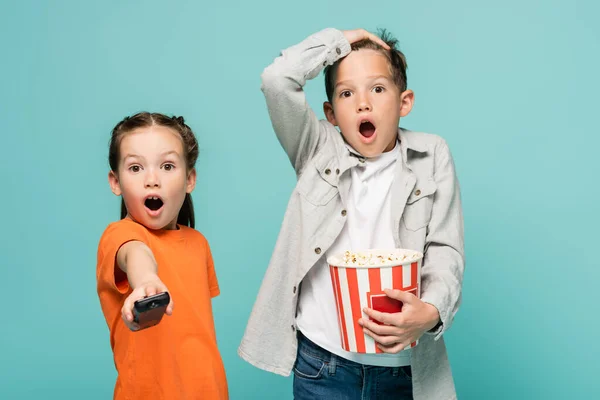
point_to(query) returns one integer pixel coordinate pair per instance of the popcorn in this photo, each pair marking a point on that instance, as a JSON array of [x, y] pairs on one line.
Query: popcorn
[[374, 258]]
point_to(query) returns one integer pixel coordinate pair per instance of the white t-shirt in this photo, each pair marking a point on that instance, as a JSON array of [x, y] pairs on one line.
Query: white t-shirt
[[368, 225]]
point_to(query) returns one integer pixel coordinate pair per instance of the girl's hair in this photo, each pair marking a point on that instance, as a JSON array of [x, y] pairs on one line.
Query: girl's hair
[[190, 149]]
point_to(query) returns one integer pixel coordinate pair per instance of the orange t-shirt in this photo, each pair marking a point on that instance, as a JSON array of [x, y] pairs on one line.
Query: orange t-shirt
[[178, 358]]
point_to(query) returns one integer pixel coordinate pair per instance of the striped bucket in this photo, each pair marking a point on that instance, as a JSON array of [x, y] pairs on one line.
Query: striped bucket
[[357, 286]]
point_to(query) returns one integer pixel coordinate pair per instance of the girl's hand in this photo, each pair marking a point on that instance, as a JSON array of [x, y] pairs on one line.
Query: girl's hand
[[357, 35], [150, 286], [403, 328]]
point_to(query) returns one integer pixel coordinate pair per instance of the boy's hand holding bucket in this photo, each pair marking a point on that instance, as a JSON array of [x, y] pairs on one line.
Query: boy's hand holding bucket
[[398, 330]]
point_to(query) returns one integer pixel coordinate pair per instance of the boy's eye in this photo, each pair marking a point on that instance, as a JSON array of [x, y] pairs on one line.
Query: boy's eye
[[345, 93], [134, 168], [378, 89], [168, 167]]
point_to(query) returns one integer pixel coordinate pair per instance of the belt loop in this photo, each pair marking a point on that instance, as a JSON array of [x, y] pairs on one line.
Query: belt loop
[[395, 371], [332, 364]]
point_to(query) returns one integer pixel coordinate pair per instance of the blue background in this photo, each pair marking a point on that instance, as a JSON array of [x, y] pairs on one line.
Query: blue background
[[511, 85]]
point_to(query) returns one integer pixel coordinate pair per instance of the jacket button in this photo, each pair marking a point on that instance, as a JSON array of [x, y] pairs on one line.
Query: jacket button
[[327, 171], [293, 328], [337, 50], [294, 289], [337, 171], [343, 213], [324, 63], [318, 250], [417, 192]]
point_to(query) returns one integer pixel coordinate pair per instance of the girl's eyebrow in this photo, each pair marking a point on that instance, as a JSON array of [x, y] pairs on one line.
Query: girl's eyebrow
[[163, 154], [170, 152]]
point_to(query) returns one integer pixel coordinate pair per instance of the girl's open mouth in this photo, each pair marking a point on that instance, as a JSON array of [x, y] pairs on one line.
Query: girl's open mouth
[[153, 203]]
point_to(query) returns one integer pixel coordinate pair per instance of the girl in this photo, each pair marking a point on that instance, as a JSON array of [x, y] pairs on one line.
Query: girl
[[154, 249]]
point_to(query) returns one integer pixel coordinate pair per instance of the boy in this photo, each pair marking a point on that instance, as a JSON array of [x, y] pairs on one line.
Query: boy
[[368, 185]]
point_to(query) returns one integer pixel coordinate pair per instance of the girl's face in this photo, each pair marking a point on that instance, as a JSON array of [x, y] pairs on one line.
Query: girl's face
[[152, 176]]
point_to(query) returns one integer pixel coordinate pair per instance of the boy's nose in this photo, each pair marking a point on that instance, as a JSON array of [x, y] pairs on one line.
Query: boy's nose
[[364, 106]]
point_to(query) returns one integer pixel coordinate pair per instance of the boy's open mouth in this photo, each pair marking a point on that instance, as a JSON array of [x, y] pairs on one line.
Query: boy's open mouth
[[153, 203], [367, 129]]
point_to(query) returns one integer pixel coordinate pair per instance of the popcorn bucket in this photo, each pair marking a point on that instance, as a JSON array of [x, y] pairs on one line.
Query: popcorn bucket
[[358, 281]]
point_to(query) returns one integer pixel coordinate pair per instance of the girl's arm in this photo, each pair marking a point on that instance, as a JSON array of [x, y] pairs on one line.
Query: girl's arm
[[136, 260]]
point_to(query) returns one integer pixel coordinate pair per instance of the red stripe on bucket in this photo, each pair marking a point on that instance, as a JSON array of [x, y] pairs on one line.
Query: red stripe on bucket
[[338, 294], [375, 279], [414, 273], [356, 311], [397, 280], [375, 286]]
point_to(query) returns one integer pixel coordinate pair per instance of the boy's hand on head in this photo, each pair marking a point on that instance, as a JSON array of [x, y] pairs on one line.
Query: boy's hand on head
[[403, 328], [357, 35], [150, 286]]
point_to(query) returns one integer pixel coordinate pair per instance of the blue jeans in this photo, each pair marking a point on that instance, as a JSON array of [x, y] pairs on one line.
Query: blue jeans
[[319, 374]]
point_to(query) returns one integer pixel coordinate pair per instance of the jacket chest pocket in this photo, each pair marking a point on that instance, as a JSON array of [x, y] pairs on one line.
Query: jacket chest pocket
[[318, 186], [417, 212]]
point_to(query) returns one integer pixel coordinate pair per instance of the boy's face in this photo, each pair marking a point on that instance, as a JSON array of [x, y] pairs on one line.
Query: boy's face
[[366, 103], [152, 176]]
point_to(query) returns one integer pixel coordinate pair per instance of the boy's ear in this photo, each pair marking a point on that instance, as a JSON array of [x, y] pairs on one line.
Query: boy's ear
[[113, 181], [329, 114], [407, 99], [191, 181]]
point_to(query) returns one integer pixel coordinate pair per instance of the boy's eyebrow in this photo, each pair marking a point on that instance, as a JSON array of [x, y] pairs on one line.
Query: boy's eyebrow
[[373, 77], [132, 156]]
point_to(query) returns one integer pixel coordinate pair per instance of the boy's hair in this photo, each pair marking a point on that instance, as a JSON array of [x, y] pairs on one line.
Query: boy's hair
[[396, 60], [190, 149]]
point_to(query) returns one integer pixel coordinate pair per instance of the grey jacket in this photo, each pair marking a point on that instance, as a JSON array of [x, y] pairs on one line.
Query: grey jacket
[[426, 211]]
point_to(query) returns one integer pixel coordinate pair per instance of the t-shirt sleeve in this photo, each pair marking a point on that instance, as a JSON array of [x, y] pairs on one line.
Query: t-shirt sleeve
[[213, 283], [108, 273]]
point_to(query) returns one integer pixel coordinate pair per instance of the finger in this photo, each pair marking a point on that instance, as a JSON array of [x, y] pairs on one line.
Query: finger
[[363, 34], [359, 34], [400, 295], [384, 318], [378, 40], [393, 349], [136, 295], [126, 311], [124, 315], [127, 316], [386, 340], [379, 329], [170, 307], [352, 36], [151, 290]]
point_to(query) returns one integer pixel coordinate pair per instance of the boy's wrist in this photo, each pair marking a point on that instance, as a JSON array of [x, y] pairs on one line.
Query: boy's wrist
[[436, 326], [434, 320]]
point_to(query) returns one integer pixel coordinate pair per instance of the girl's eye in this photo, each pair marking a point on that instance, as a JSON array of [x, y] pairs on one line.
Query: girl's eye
[[168, 167], [134, 168], [378, 89], [345, 93]]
